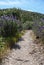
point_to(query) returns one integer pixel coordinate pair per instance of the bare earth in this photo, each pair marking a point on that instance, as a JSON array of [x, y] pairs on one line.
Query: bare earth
[[26, 53]]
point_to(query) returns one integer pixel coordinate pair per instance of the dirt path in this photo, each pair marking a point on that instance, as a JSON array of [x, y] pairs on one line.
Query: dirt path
[[26, 52]]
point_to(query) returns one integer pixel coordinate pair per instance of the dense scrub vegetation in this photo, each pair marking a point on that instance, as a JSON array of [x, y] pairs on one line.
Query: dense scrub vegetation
[[13, 21]]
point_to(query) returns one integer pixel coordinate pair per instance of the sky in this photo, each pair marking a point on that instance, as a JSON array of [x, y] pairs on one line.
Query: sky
[[29, 5]]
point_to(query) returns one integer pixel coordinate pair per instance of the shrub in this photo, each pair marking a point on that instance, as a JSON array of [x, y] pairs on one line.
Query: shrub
[[9, 29], [3, 49], [39, 30], [10, 32], [27, 25]]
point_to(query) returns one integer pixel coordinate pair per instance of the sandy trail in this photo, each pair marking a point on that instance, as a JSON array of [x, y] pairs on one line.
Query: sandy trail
[[27, 53]]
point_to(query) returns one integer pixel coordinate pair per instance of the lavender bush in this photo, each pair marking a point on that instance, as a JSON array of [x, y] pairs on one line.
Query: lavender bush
[[39, 29]]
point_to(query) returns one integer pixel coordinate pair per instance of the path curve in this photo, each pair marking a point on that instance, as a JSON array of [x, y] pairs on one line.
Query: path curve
[[29, 53]]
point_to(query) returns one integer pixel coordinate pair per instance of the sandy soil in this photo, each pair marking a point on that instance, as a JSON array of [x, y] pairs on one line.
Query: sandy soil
[[26, 52]]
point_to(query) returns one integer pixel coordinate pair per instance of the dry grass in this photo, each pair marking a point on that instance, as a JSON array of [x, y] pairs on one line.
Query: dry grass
[[4, 50], [32, 35]]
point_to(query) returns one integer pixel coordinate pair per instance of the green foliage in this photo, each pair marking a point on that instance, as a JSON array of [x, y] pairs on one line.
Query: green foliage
[[10, 32], [9, 29], [9, 36], [27, 25], [3, 48]]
